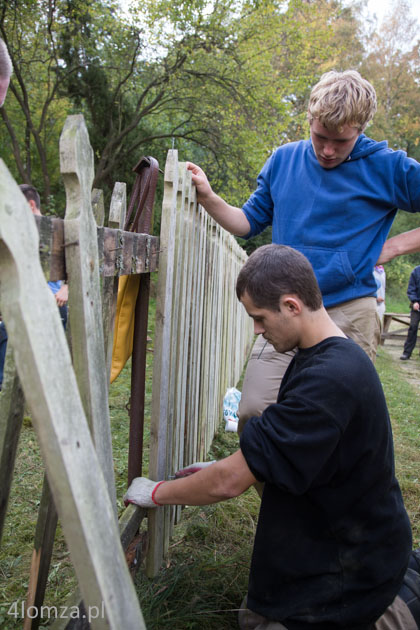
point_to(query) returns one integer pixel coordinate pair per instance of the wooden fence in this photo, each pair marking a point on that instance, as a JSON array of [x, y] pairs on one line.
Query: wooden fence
[[67, 394], [202, 339]]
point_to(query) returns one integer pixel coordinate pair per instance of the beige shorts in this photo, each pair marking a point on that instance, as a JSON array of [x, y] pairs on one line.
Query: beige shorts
[[358, 319]]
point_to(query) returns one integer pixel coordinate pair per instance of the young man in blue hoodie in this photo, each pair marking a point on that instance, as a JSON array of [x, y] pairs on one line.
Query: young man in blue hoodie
[[333, 198], [333, 539]]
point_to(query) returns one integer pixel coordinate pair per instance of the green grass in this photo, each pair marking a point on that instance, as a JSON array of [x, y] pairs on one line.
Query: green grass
[[397, 302], [403, 399], [205, 575], [18, 535]]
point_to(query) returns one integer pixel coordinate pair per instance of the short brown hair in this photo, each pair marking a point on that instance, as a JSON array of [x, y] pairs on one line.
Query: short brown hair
[[31, 194], [342, 98], [275, 270]]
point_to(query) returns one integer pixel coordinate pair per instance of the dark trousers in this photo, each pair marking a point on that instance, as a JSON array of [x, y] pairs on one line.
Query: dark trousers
[[3, 339], [3, 346], [411, 340]]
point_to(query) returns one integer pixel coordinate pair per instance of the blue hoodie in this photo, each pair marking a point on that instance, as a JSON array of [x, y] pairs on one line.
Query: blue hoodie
[[339, 218]]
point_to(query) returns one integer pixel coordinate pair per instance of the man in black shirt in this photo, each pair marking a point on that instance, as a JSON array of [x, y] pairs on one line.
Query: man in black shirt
[[333, 539]]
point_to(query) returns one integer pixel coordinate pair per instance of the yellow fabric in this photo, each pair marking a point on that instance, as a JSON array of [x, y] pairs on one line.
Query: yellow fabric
[[128, 289]]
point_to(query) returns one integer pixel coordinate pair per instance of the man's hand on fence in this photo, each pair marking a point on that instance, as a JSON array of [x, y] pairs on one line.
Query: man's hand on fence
[[201, 182], [141, 492], [193, 468]]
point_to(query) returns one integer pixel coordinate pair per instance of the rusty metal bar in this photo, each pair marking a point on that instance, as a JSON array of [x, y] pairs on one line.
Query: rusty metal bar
[[138, 380]]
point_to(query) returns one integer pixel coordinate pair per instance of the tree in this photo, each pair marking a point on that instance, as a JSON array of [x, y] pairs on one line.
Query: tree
[[226, 81], [394, 70], [36, 113]]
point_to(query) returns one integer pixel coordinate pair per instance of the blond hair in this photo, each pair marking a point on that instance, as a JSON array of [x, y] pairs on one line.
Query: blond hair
[[6, 67], [342, 98]]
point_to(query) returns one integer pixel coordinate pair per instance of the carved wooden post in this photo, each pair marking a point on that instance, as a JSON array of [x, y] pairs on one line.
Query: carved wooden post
[[85, 312]]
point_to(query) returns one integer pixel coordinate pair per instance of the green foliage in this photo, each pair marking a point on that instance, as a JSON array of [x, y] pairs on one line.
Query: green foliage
[[264, 238], [397, 302], [226, 82], [398, 270], [398, 273], [393, 69]]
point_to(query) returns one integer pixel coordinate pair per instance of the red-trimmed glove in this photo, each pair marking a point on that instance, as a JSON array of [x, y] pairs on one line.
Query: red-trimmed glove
[[141, 492], [193, 468]]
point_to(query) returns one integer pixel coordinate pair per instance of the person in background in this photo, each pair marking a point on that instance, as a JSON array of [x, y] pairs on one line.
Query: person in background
[[333, 197], [380, 278], [413, 293], [58, 288], [333, 538]]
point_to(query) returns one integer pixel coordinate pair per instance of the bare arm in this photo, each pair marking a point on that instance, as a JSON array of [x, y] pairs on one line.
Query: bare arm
[[229, 217], [225, 479], [62, 295], [405, 243]]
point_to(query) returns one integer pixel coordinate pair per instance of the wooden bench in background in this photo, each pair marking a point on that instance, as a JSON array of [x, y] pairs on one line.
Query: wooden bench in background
[[398, 333]]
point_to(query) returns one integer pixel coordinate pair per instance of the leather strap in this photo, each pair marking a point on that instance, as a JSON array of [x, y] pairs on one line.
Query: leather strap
[[143, 196]]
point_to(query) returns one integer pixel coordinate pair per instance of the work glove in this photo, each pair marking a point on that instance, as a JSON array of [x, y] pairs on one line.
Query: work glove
[[193, 468], [141, 492]]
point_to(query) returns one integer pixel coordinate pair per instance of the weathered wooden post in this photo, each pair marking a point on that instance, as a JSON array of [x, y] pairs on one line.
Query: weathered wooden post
[[85, 314]]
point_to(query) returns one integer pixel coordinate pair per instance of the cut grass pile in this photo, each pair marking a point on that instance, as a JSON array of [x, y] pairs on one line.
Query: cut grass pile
[[205, 575]]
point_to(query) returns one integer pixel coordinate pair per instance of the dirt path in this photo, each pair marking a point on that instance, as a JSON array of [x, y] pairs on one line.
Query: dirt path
[[411, 368]]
